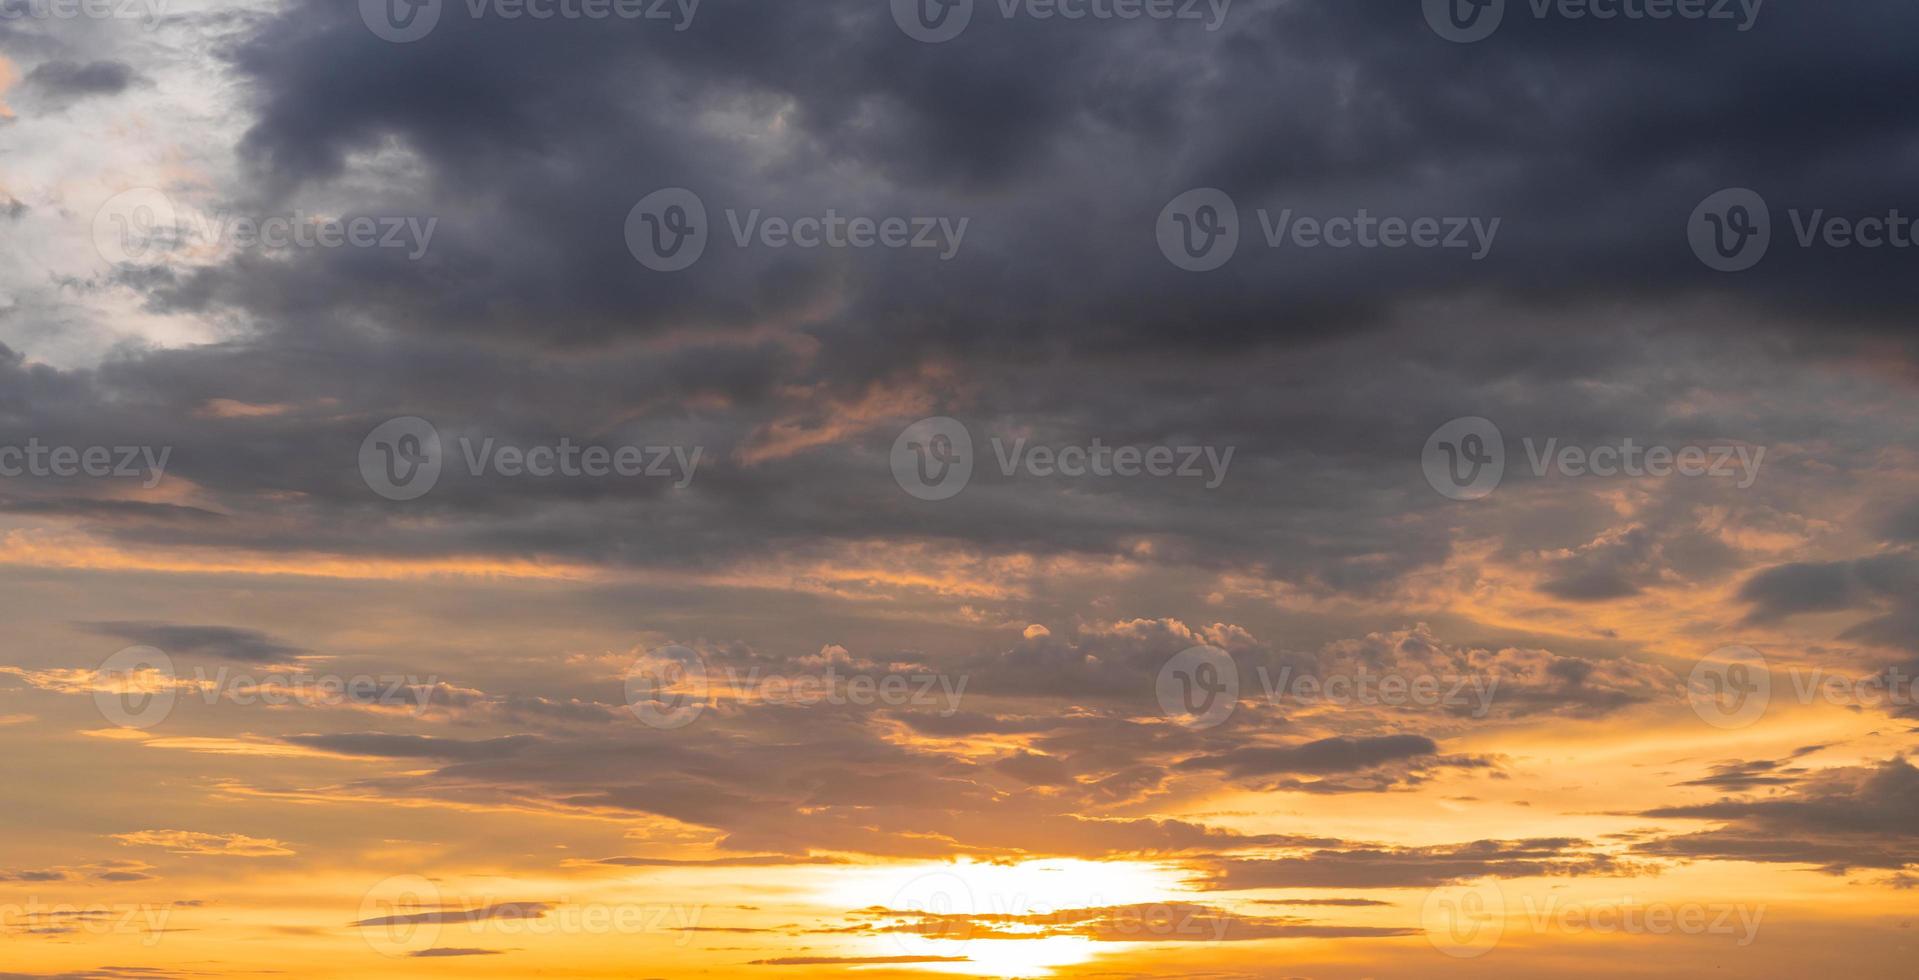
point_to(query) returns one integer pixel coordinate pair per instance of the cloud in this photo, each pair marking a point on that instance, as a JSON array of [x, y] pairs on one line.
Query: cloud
[[222, 642], [1328, 756], [64, 82], [381, 745], [504, 910], [1368, 866], [1835, 819], [198, 843], [1144, 922], [855, 960]]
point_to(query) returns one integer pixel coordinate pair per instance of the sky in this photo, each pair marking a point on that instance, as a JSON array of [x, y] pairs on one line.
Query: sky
[[984, 488]]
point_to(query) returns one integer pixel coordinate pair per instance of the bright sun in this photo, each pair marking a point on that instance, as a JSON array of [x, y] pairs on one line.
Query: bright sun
[[1031, 888]]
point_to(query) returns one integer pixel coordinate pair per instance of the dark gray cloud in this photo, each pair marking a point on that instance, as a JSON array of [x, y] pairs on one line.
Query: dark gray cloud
[[1812, 587], [222, 642], [1360, 866], [1837, 819], [1330, 755], [414, 746], [64, 82]]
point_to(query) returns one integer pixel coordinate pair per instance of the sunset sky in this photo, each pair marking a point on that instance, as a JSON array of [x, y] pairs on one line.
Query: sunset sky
[[1320, 489]]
